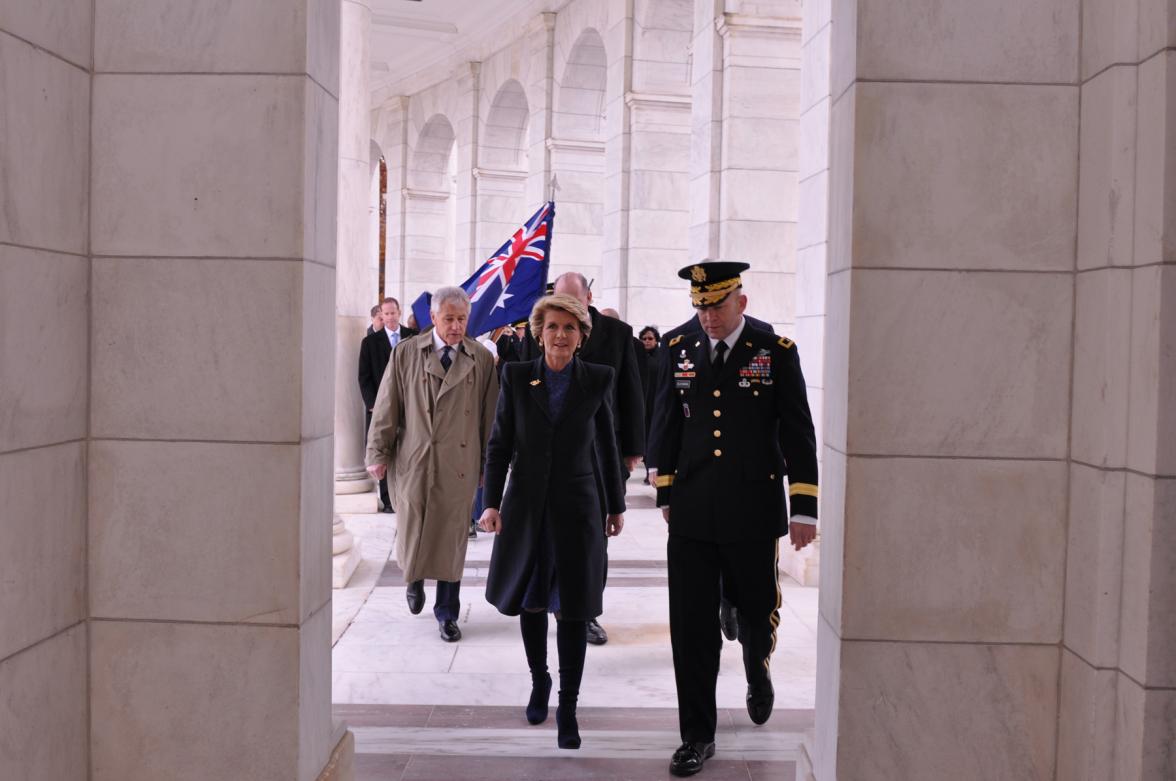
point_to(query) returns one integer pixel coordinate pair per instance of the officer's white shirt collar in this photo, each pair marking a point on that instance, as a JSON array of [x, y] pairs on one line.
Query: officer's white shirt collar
[[731, 340], [439, 344]]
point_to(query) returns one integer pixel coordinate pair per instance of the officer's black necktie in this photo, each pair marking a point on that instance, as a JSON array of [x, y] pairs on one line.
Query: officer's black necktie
[[720, 356], [446, 361]]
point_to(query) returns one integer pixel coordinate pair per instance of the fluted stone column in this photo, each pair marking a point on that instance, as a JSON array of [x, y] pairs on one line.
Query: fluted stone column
[[355, 292]]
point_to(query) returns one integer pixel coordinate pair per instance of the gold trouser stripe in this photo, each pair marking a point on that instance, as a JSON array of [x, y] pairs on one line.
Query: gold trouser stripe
[[775, 619], [802, 489], [663, 481]]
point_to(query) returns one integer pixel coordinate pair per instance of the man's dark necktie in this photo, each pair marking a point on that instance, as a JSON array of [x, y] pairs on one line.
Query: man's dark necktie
[[446, 361], [720, 357]]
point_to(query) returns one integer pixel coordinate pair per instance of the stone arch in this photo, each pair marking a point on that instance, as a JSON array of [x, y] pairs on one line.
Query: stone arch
[[431, 206], [578, 157], [502, 168], [429, 166], [377, 217], [504, 138], [580, 99]]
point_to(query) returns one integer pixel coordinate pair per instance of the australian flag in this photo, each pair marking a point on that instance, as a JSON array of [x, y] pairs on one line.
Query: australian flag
[[507, 285]]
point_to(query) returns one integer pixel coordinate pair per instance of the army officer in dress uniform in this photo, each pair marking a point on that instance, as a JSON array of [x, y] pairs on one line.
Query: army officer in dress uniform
[[738, 423]]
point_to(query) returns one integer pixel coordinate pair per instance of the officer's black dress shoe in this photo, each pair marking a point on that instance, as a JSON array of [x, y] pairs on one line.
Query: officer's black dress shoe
[[689, 757], [450, 632], [760, 698], [415, 596], [386, 508], [728, 620], [596, 633]]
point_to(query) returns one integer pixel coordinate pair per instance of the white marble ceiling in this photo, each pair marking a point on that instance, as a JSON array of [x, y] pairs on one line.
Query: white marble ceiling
[[410, 38]]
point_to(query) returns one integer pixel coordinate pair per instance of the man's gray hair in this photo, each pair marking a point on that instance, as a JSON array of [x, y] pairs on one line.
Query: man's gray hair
[[449, 295]]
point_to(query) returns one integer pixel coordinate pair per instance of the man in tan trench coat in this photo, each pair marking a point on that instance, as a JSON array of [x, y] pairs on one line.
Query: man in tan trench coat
[[430, 425]]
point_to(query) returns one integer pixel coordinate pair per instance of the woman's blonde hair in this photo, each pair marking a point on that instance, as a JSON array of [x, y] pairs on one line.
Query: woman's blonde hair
[[564, 303]]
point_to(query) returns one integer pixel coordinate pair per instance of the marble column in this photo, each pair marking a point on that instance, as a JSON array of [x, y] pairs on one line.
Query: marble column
[[947, 396], [355, 291], [214, 158], [1118, 687], [656, 160], [540, 35], [468, 130], [44, 368]]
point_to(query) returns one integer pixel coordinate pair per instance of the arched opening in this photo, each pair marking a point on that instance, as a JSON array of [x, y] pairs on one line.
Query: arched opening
[[430, 208], [577, 157], [502, 169], [378, 218]]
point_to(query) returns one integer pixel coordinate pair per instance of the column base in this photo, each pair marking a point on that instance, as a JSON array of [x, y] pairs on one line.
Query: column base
[[357, 504], [343, 565], [359, 484], [345, 554], [804, 764], [341, 766]]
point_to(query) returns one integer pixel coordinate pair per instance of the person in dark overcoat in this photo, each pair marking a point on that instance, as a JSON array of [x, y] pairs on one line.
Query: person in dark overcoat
[[611, 344], [553, 416], [374, 352]]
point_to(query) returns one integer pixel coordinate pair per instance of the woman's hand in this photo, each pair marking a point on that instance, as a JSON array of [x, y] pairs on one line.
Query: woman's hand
[[491, 521], [615, 524]]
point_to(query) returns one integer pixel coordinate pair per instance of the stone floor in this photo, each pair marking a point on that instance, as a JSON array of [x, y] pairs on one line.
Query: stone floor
[[423, 709]]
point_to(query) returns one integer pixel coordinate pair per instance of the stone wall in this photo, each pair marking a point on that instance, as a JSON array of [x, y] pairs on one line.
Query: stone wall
[[998, 555], [604, 96], [167, 287], [44, 374]]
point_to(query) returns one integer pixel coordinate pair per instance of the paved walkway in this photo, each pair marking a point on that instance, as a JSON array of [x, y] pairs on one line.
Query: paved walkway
[[424, 709]]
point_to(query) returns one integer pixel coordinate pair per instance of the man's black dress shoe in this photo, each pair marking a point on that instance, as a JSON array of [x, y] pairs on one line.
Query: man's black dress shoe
[[728, 620], [386, 508], [596, 633], [760, 698], [450, 632], [689, 757], [415, 596]]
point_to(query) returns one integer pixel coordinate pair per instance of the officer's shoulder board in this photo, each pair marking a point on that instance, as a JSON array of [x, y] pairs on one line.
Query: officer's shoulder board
[[676, 339], [786, 343]]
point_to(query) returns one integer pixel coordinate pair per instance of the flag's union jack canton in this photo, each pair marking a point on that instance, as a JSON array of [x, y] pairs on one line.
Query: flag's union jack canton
[[507, 285], [503, 290]]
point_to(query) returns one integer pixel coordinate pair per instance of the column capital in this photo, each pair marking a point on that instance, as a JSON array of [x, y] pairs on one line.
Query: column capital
[[731, 24]]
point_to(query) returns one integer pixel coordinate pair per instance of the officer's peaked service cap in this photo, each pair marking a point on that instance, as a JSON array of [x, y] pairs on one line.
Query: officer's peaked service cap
[[713, 281]]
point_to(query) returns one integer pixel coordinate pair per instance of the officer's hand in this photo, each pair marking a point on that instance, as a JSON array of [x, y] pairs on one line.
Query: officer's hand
[[615, 524], [801, 534], [491, 521], [631, 462], [378, 471], [652, 474], [666, 514]]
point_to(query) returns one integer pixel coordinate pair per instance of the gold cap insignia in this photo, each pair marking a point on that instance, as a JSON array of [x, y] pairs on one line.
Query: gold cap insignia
[[698, 274]]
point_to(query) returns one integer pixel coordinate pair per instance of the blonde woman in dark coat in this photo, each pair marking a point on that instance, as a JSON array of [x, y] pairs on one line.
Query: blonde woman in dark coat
[[552, 420]]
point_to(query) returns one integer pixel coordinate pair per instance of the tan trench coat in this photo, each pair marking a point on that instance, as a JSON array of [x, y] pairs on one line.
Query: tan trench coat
[[431, 428]]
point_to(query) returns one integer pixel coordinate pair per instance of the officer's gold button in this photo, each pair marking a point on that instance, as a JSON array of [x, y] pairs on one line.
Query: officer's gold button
[[718, 393], [718, 413], [755, 393], [718, 453], [718, 433]]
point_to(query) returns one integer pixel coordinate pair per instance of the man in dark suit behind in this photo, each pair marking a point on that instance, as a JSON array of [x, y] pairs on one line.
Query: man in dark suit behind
[[373, 359], [610, 344]]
